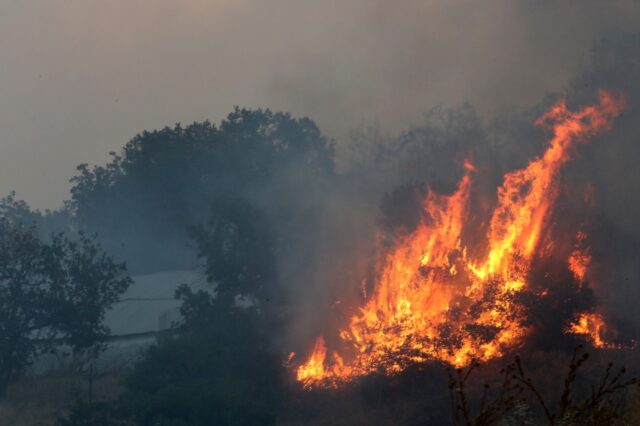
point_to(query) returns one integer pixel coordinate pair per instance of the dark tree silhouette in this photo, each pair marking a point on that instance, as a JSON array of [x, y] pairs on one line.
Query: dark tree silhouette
[[143, 201], [52, 294]]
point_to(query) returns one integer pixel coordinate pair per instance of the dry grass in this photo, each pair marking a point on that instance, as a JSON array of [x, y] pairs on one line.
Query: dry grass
[[35, 402]]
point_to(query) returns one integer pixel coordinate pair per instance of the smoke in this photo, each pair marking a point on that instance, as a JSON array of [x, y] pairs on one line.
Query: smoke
[[393, 61], [81, 77], [599, 188]]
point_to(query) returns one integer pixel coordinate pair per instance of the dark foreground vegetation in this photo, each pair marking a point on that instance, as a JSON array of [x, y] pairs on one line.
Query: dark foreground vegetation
[[477, 395], [517, 397], [260, 205]]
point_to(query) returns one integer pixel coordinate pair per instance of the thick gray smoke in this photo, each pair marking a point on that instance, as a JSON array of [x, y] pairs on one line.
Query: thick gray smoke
[[82, 77], [79, 78], [388, 173], [288, 216]]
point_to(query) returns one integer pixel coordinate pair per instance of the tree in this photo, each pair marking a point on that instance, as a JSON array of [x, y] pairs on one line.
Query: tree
[[217, 366], [242, 182], [238, 247], [46, 222], [216, 369], [142, 202], [52, 294]]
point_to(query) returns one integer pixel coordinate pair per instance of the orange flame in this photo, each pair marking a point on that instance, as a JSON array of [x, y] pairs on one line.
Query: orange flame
[[580, 258], [593, 326], [434, 298]]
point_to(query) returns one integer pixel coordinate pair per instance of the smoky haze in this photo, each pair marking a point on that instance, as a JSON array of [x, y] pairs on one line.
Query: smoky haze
[[309, 135], [79, 78]]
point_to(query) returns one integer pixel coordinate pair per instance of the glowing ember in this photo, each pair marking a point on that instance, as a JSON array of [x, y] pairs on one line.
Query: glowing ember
[[435, 298]]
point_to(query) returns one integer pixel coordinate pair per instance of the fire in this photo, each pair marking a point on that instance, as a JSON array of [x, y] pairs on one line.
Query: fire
[[592, 325], [314, 367], [580, 258], [436, 298]]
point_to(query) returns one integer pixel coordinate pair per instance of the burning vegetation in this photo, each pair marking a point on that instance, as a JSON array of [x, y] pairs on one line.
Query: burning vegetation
[[452, 290]]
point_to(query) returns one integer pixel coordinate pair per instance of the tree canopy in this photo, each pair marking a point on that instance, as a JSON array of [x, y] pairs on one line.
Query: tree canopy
[[142, 202], [52, 294]]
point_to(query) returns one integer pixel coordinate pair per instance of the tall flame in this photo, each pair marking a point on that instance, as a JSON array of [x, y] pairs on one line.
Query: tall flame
[[435, 298]]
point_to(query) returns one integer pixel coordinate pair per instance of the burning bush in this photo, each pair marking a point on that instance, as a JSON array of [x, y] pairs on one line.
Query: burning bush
[[436, 297]]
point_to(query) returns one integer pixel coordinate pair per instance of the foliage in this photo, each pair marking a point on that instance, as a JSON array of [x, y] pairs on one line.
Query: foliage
[[216, 368], [238, 247], [51, 294], [517, 393], [45, 222], [143, 201]]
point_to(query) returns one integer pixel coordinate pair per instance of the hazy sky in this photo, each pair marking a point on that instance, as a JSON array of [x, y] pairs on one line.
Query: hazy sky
[[79, 78]]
